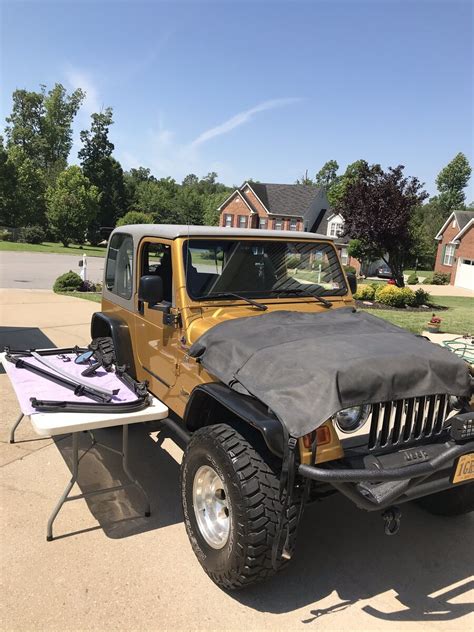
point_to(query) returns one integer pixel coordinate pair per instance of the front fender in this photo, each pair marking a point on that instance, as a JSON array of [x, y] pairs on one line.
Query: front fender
[[208, 401]]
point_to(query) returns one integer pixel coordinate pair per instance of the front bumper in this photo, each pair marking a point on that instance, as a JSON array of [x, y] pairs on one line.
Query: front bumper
[[377, 481]]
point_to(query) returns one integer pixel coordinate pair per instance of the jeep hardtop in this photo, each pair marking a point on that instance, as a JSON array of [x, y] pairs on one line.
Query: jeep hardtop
[[244, 481]]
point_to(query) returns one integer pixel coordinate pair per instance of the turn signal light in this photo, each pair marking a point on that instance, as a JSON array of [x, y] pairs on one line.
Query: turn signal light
[[323, 436]]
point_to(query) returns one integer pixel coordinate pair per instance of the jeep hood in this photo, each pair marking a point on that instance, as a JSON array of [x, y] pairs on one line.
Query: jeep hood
[[307, 366]]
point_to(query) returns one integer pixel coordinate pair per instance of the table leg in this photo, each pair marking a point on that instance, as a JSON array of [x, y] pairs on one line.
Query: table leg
[[127, 470], [70, 485], [15, 426]]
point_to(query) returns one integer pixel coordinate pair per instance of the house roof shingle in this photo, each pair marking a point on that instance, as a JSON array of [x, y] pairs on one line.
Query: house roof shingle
[[463, 218], [290, 200]]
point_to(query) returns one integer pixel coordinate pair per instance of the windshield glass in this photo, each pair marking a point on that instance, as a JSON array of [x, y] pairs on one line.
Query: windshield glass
[[261, 268]]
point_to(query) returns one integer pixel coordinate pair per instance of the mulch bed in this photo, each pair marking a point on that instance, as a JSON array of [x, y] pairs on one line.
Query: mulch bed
[[419, 310]]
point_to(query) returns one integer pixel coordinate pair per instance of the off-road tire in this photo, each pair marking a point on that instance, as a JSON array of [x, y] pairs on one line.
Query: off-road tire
[[105, 348], [450, 502], [254, 504]]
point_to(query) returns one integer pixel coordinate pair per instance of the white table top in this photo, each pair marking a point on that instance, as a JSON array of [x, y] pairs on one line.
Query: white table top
[[51, 424]]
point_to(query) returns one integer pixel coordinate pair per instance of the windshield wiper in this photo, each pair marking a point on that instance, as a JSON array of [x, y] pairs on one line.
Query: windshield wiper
[[260, 306], [301, 292]]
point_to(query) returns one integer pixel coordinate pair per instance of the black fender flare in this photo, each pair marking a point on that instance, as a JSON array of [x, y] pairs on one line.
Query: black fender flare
[[106, 325], [207, 399]]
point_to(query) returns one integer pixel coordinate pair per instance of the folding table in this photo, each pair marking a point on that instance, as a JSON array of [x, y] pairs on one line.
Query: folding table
[[57, 423]]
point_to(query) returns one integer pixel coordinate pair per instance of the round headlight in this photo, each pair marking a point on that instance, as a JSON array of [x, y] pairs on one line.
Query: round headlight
[[351, 419]]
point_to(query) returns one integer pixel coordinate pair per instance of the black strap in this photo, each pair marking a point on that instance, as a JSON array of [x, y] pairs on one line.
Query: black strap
[[287, 481]]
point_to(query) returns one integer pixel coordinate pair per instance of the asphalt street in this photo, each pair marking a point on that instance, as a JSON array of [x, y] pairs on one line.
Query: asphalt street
[[37, 270]]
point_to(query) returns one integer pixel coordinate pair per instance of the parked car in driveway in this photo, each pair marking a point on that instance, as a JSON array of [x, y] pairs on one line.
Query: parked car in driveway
[[384, 272]]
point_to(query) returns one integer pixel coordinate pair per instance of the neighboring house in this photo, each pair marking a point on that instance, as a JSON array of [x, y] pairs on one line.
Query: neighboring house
[[455, 255], [297, 207]]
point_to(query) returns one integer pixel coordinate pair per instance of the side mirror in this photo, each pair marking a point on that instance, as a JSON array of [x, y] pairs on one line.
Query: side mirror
[[150, 289], [351, 277]]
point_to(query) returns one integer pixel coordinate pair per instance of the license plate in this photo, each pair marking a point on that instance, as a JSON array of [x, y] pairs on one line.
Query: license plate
[[464, 468]]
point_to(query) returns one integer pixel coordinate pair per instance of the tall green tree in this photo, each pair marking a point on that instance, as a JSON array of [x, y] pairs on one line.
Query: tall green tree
[[327, 176], [41, 126], [30, 188], [103, 171], [378, 207], [352, 172], [8, 189], [72, 204], [451, 182]]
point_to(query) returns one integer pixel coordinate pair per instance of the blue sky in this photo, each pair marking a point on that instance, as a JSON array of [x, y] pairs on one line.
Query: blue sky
[[262, 89]]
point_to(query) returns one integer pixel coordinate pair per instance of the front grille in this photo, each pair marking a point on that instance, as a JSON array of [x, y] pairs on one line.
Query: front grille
[[407, 420]]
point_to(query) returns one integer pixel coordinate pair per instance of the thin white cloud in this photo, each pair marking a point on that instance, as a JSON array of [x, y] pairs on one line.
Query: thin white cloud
[[240, 119], [77, 78]]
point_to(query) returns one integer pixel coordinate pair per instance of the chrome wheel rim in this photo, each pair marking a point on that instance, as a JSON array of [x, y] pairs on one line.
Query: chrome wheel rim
[[211, 507]]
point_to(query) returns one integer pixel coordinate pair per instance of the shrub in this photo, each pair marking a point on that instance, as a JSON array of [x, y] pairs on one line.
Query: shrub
[[293, 261], [428, 280], [31, 235], [422, 297], [135, 217], [440, 278], [5, 235], [68, 282], [412, 279], [365, 293], [349, 269], [390, 295], [88, 286], [408, 296]]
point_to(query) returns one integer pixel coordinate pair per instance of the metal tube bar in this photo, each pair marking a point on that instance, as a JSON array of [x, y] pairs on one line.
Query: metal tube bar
[[14, 427], [73, 378], [95, 492], [69, 486]]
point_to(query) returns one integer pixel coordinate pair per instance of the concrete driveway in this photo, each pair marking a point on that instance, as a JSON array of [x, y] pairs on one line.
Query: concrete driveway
[[38, 270], [114, 570]]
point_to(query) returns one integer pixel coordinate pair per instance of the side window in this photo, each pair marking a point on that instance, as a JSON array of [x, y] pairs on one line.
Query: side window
[[156, 259], [118, 269]]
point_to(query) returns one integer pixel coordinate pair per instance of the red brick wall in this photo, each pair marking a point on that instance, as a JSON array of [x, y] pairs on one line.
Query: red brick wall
[[447, 236], [465, 250], [236, 206]]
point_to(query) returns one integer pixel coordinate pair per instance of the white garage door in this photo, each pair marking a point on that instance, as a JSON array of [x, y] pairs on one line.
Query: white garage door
[[465, 274]]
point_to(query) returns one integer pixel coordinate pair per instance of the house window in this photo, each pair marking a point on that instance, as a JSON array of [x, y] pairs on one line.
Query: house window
[[242, 221], [448, 258], [294, 224], [262, 222], [335, 229], [344, 256], [228, 221], [279, 223]]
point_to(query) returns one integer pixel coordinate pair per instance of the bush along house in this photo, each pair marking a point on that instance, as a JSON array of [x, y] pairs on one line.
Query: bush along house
[[295, 207], [455, 255]]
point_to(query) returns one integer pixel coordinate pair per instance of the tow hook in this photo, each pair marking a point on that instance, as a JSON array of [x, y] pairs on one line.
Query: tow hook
[[391, 518]]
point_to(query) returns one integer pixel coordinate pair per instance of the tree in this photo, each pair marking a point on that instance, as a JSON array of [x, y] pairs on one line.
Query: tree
[[305, 179], [135, 217], [451, 182], [327, 175], [8, 189], [41, 126], [72, 204], [29, 191], [211, 204], [339, 187], [103, 170], [377, 208]]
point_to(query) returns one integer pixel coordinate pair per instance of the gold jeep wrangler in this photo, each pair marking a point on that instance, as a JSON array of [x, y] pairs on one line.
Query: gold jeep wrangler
[[281, 392]]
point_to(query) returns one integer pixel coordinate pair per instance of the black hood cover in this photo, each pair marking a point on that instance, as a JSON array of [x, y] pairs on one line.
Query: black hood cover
[[307, 366]]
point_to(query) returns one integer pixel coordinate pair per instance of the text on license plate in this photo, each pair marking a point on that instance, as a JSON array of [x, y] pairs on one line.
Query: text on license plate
[[464, 469]]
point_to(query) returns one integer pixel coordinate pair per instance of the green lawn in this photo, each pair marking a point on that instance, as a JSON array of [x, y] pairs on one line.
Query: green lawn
[[458, 319], [73, 249], [88, 296], [419, 273]]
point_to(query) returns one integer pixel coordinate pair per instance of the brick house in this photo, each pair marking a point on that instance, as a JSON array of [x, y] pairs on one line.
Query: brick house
[[295, 207], [455, 254]]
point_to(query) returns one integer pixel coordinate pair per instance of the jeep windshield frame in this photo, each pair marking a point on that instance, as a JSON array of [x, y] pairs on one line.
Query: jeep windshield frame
[[261, 268]]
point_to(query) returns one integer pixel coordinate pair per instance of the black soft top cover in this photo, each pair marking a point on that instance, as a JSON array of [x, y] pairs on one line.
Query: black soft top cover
[[305, 367]]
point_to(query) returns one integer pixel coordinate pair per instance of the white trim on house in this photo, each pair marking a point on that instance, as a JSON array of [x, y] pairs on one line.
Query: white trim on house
[[465, 229], [247, 184], [237, 192], [439, 236], [337, 221]]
